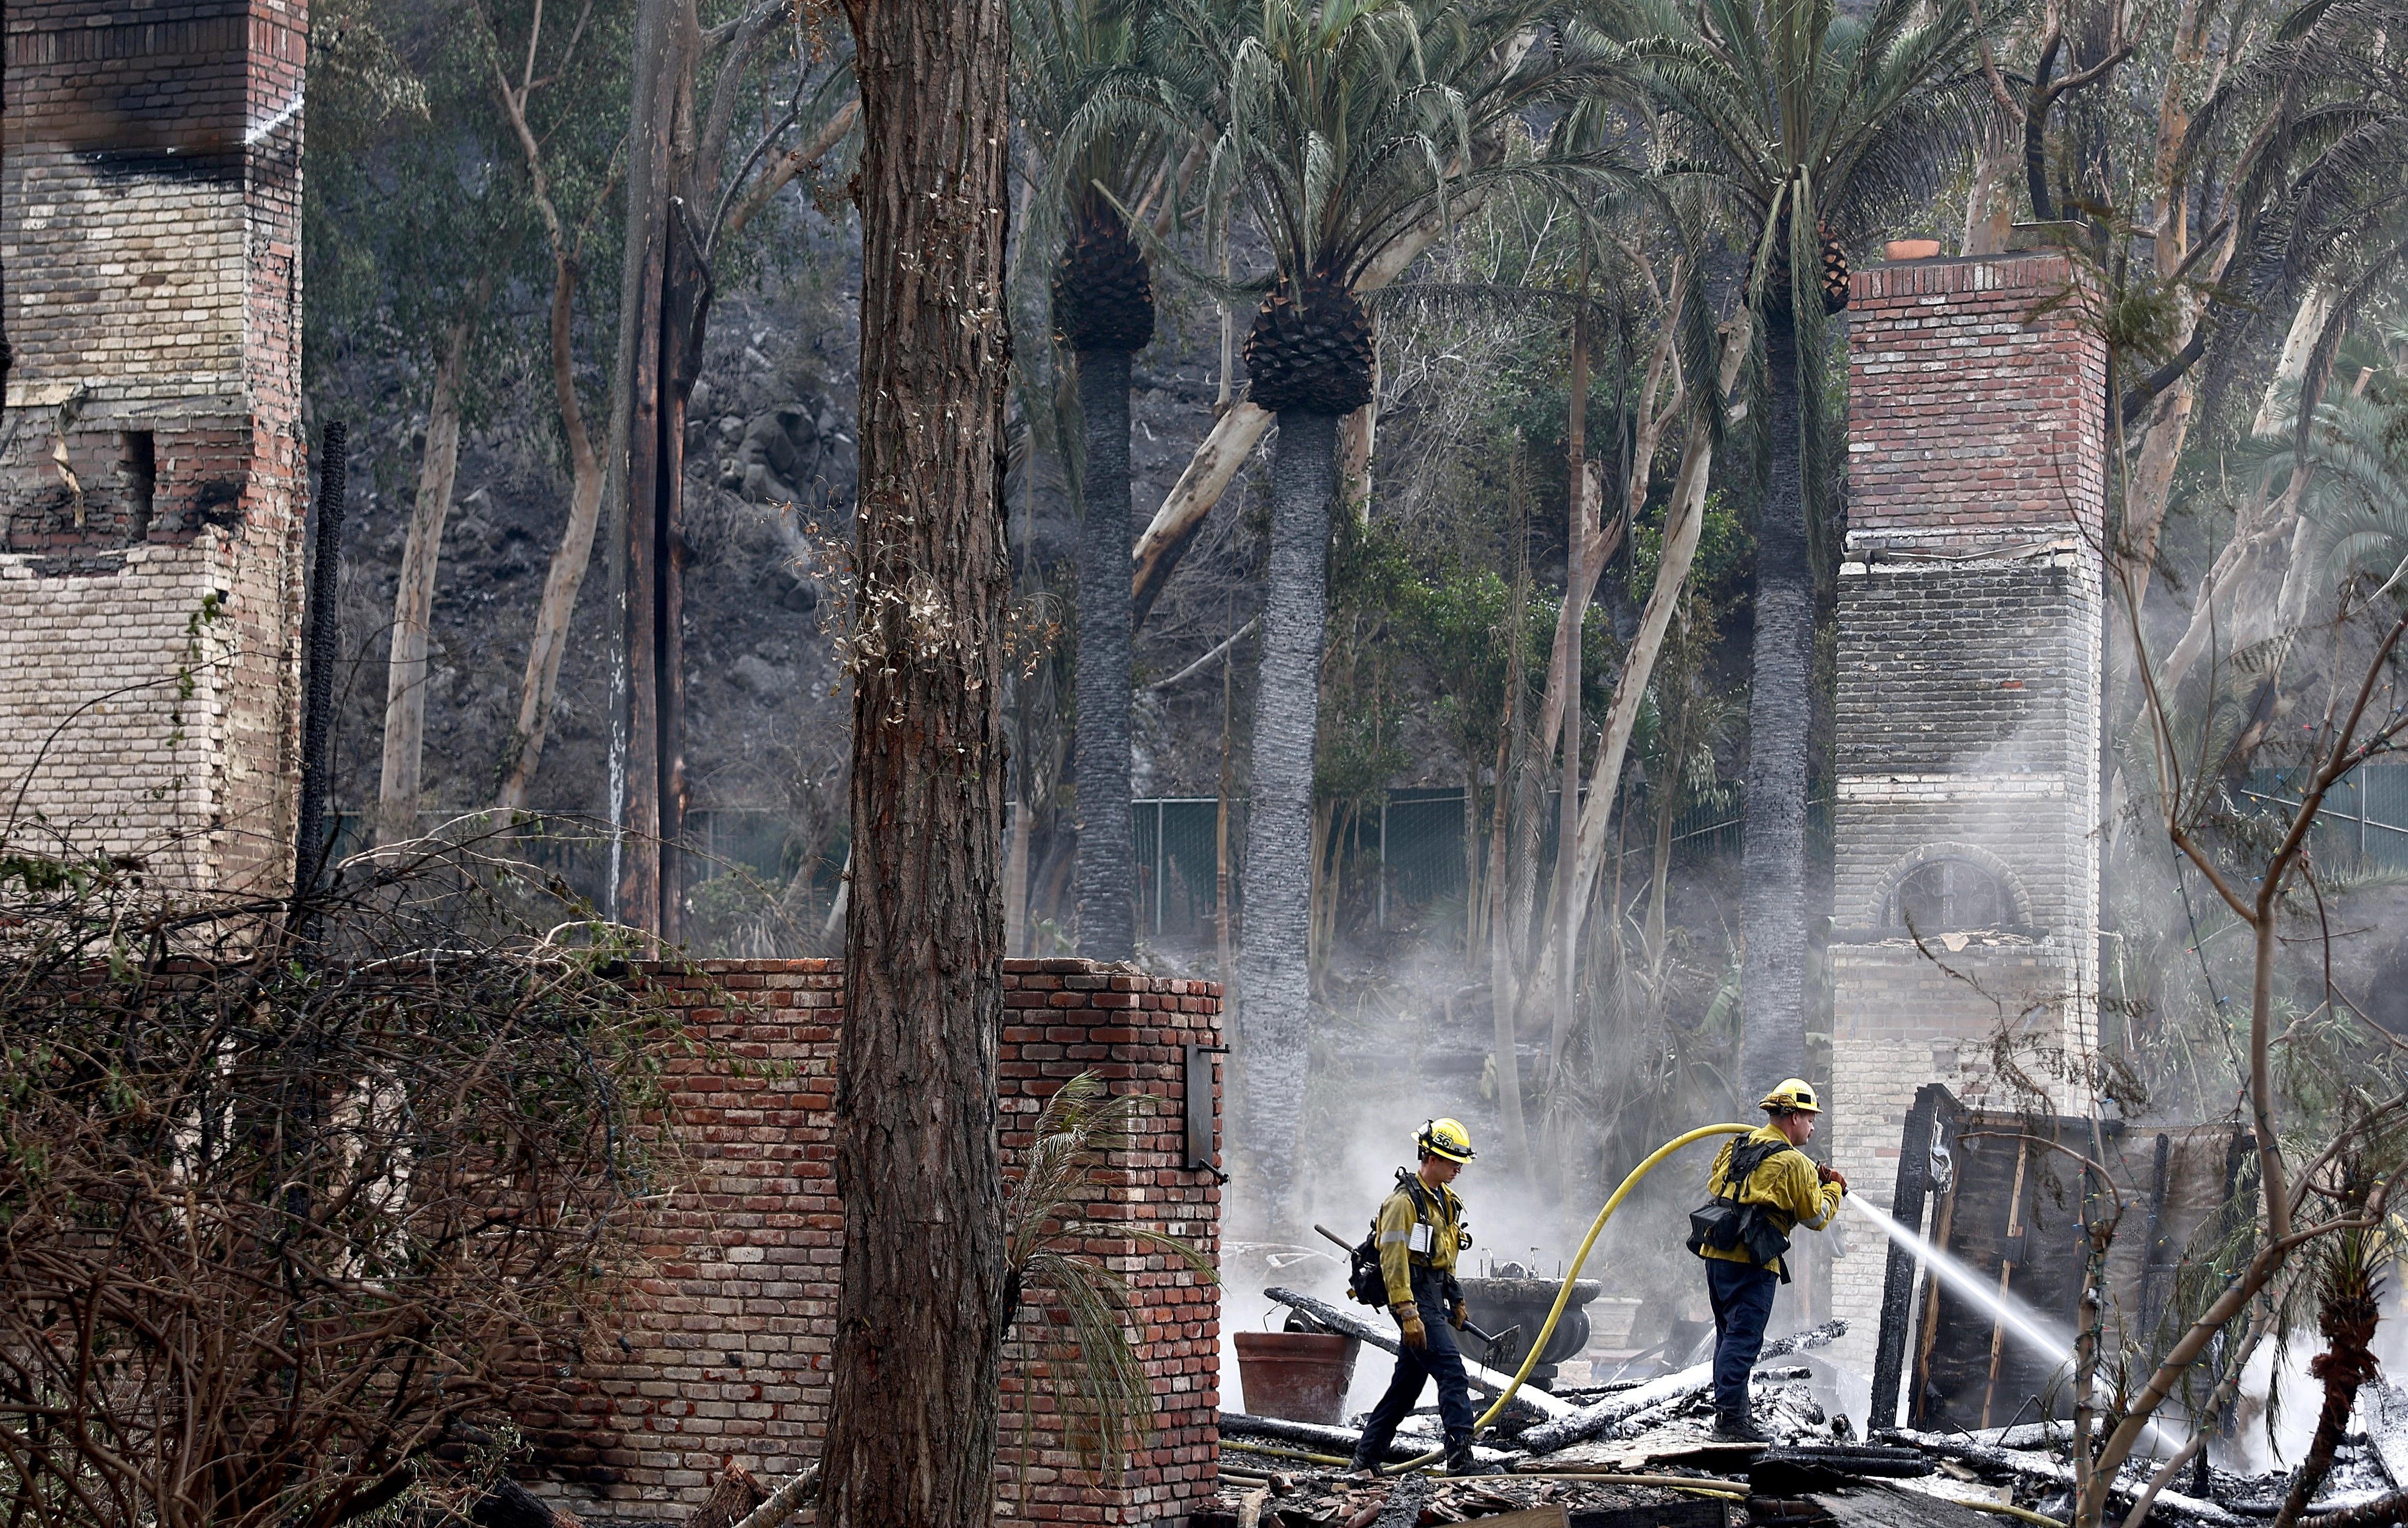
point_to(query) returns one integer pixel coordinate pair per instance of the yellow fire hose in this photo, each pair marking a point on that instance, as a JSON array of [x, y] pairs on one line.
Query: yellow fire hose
[[1564, 1295]]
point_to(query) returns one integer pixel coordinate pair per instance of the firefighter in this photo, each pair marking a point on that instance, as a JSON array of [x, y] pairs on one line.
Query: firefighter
[[1764, 1187], [1419, 1233]]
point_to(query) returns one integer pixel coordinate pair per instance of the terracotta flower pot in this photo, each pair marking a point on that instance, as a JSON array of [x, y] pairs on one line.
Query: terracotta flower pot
[[1299, 1376]]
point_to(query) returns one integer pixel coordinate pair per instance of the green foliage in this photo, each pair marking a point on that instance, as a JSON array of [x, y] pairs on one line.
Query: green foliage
[[1340, 125], [1805, 122]]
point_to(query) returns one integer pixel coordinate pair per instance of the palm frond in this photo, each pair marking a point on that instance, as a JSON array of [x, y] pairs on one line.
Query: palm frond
[[1081, 1341]]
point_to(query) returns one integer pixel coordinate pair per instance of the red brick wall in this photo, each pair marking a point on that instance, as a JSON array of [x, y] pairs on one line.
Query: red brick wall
[[1967, 415], [724, 1349]]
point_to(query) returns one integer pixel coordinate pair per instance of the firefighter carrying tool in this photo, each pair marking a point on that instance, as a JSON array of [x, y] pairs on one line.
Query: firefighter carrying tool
[[1420, 1232]]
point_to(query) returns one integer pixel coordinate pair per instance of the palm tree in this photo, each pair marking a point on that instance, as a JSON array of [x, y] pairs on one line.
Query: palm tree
[[1348, 122], [1084, 91], [1816, 131], [2359, 495]]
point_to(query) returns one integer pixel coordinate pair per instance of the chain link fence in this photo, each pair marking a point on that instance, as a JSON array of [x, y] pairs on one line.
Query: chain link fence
[[2363, 824], [1409, 850]]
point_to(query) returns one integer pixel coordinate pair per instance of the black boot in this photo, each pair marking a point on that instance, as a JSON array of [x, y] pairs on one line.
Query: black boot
[[1738, 1427], [1459, 1460], [1364, 1463]]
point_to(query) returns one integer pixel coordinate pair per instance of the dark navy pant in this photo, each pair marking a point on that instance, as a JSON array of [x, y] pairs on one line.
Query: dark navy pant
[[1742, 1298], [1442, 1360]]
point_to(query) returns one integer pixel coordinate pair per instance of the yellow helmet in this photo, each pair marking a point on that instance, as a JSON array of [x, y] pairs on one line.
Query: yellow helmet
[[1792, 1095], [1444, 1138]]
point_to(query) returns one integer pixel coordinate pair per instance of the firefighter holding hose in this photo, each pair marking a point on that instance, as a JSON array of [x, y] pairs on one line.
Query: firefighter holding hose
[[1419, 1235], [1764, 1187]]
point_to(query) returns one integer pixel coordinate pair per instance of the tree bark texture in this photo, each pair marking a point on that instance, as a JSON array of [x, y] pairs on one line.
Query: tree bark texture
[[1780, 703], [539, 691], [911, 1437], [1683, 523], [413, 601], [1107, 876], [1274, 972]]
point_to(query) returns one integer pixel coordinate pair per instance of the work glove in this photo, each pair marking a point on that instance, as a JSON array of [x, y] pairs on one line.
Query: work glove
[[1459, 1316], [1409, 1316], [1832, 1175]]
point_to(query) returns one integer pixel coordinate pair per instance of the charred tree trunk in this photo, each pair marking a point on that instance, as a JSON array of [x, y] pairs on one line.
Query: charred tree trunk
[[1773, 896], [911, 1437], [310, 836], [2347, 1312]]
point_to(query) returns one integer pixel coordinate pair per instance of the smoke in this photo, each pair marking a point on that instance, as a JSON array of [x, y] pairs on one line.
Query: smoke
[[1415, 1045]]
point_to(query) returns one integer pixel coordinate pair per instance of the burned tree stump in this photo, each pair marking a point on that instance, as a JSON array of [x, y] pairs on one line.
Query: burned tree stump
[[733, 1496]]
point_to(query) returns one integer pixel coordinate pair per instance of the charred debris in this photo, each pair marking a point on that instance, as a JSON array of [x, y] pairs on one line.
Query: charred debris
[[1641, 1453]]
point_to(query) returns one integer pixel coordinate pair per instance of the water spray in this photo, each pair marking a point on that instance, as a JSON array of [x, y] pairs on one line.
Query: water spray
[[2012, 1313]]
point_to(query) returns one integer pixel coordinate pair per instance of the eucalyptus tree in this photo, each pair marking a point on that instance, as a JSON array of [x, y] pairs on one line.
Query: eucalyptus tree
[[1817, 131], [1349, 123], [1104, 118], [403, 240]]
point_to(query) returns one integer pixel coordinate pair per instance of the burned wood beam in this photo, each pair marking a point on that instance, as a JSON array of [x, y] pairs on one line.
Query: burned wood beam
[[1907, 1199], [2034, 1468], [1315, 1436], [1404, 1508], [1589, 1421]]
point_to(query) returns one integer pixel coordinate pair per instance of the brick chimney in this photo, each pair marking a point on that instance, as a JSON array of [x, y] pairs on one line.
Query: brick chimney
[[1971, 603], [152, 480]]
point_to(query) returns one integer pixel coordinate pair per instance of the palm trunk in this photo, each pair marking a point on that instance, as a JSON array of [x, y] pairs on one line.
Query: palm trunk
[[1274, 976], [2348, 1314], [912, 1429], [413, 601], [1107, 892], [1773, 895]]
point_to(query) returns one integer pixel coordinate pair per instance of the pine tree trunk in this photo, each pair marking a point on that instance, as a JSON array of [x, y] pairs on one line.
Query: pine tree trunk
[[911, 1430], [1106, 874], [1773, 896], [1274, 975], [413, 601]]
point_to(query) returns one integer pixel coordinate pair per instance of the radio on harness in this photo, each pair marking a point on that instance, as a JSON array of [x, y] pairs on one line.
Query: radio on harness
[[1727, 1225]]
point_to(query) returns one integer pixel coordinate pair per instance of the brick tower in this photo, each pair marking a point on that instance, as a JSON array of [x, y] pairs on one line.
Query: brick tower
[[151, 477], [1971, 603]]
